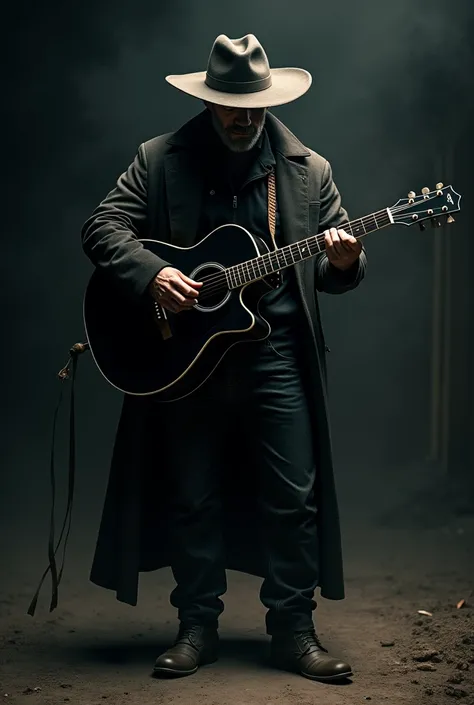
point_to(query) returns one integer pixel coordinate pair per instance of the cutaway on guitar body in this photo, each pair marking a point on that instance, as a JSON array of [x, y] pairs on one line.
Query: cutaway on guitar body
[[142, 349]]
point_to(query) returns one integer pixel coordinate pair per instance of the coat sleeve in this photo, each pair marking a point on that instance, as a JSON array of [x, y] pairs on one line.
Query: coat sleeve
[[110, 236], [328, 278]]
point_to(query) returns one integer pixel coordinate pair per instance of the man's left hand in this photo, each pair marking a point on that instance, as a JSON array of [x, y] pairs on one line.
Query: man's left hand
[[342, 249]]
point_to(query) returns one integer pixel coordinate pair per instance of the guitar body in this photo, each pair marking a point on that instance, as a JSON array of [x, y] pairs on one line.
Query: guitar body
[[126, 338]]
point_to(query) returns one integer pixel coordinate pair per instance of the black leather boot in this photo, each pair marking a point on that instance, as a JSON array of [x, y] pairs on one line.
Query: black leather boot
[[303, 653], [195, 646]]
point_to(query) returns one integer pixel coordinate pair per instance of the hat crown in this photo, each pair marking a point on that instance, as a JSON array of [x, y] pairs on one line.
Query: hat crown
[[238, 65]]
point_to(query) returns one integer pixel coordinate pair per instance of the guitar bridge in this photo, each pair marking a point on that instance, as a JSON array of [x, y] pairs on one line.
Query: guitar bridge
[[161, 320]]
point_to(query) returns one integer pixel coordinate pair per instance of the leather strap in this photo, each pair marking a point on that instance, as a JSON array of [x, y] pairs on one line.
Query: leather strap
[[69, 371], [272, 206]]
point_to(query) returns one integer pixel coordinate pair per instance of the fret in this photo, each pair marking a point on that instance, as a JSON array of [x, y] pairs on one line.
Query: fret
[[247, 272], [304, 250], [239, 275], [385, 219], [263, 265], [357, 228], [254, 269]]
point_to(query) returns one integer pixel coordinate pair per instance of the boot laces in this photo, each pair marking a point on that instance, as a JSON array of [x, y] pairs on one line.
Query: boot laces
[[309, 642], [188, 633]]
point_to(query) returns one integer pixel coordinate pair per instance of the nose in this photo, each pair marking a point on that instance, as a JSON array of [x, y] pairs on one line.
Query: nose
[[244, 118]]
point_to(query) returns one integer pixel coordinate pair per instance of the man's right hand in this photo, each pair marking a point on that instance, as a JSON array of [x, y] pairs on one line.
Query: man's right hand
[[174, 290]]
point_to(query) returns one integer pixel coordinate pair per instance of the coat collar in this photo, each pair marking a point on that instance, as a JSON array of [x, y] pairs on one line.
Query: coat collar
[[189, 136], [184, 185]]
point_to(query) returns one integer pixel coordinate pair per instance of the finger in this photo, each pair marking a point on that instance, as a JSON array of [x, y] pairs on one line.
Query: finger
[[180, 285], [179, 308], [170, 305], [178, 297], [184, 302], [349, 242], [189, 303], [189, 281], [338, 247], [329, 244]]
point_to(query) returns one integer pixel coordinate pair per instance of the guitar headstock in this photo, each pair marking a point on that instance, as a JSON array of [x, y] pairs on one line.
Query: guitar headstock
[[429, 205]]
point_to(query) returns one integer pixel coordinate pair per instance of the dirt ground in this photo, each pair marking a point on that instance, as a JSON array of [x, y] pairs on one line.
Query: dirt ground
[[93, 649]]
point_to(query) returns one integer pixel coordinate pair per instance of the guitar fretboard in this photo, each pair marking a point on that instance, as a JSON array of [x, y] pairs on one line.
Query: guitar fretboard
[[287, 256]]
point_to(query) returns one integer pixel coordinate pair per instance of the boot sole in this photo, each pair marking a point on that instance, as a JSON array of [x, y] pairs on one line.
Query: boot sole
[[171, 673], [328, 679], [177, 673], [323, 679]]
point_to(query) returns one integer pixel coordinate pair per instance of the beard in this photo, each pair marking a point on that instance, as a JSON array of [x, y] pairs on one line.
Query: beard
[[247, 139]]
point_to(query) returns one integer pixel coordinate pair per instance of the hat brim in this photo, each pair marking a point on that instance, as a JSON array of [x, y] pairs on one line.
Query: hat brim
[[288, 84]]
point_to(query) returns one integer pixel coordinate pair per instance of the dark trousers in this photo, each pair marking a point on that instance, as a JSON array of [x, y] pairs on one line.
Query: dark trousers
[[256, 390]]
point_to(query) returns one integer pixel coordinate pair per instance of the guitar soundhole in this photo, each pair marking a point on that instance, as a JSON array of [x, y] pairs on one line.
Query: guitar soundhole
[[214, 292]]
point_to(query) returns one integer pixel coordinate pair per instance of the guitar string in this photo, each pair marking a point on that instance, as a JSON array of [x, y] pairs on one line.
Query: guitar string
[[214, 283], [319, 239], [211, 280], [218, 282]]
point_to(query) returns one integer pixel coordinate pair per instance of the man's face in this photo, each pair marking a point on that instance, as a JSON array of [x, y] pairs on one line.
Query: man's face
[[238, 128]]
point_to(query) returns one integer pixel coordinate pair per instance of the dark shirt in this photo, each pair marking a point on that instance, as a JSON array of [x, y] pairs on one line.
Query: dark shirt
[[236, 191]]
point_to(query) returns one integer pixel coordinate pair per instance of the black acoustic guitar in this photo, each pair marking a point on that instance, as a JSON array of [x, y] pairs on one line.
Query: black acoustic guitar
[[141, 349]]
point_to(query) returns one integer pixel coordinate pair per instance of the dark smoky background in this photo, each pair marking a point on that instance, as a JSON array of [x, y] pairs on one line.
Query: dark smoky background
[[390, 107]]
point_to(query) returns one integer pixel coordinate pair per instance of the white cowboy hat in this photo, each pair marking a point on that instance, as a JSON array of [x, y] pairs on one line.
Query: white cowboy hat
[[239, 76]]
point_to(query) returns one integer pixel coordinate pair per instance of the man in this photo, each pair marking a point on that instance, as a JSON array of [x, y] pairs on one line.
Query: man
[[238, 474]]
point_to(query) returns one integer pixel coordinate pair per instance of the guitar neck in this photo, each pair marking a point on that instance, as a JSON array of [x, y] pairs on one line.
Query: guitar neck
[[289, 255]]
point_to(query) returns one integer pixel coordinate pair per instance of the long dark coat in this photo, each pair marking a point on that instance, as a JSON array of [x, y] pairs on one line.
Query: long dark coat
[[159, 197]]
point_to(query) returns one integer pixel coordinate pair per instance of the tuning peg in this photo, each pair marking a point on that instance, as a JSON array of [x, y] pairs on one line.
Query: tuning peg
[[439, 186], [450, 219], [425, 190], [435, 222], [422, 226], [412, 194]]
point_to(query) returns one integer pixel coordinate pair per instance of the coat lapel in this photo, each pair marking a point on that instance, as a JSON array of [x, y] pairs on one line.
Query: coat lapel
[[184, 194], [183, 175], [292, 192], [292, 196], [291, 180]]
